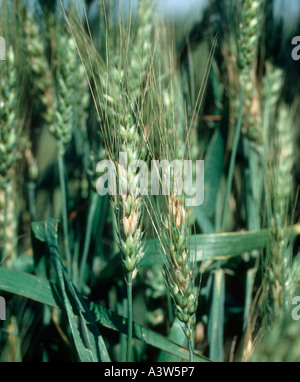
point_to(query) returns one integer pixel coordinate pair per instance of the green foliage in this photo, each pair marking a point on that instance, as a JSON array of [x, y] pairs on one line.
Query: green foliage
[[137, 277]]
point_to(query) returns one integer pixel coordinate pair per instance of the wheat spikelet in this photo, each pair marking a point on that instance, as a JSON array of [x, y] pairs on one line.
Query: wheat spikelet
[[64, 118], [8, 117], [179, 271], [123, 112], [248, 33], [249, 29], [279, 264], [42, 77], [175, 143], [10, 225], [272, 85], [9, 140]]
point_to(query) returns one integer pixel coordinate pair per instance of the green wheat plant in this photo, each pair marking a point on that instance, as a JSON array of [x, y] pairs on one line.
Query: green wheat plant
[[95, 265]]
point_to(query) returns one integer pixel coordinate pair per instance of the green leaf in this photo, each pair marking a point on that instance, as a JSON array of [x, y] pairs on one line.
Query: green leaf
[[175, 333], [117, 322], [220, 246], [214, 163], [29, 286], [93, 348], [24, 262], [44, 291]]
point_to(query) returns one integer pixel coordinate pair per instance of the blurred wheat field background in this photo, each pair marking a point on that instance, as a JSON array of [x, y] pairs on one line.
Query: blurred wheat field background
[[140, 277]]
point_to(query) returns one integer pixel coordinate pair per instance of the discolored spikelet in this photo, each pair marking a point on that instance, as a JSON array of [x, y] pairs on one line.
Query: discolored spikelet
[[120, 111], [179, 271]]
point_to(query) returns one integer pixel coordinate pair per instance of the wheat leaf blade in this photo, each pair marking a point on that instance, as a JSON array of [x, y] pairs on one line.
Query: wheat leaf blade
[[25, 285]]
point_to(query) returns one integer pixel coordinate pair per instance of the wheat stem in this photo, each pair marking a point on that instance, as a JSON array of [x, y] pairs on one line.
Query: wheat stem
[[31, 186], [5, 220], [88, 235], [233, 157], [170, 309], [191, 350], [64, 210], [129, 323], [123, 337]]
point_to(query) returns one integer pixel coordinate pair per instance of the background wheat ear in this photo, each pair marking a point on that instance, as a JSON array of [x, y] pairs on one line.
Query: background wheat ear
[[170, 216], [39, 66], [280, 259], [10, 146], [120, 92], [180, 268]]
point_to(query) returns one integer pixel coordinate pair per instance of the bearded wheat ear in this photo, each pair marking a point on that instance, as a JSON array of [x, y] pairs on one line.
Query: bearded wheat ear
[[118, 96], [245, 47], [280, 268], [70, 81], [250, 15], [174, 216], [123, 132], [279, 261], [131, 207], [249, 29], [250, 18], [119, 110], [180, 269], [272, 87], [280, 278], [9, 139], [42, 77]]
